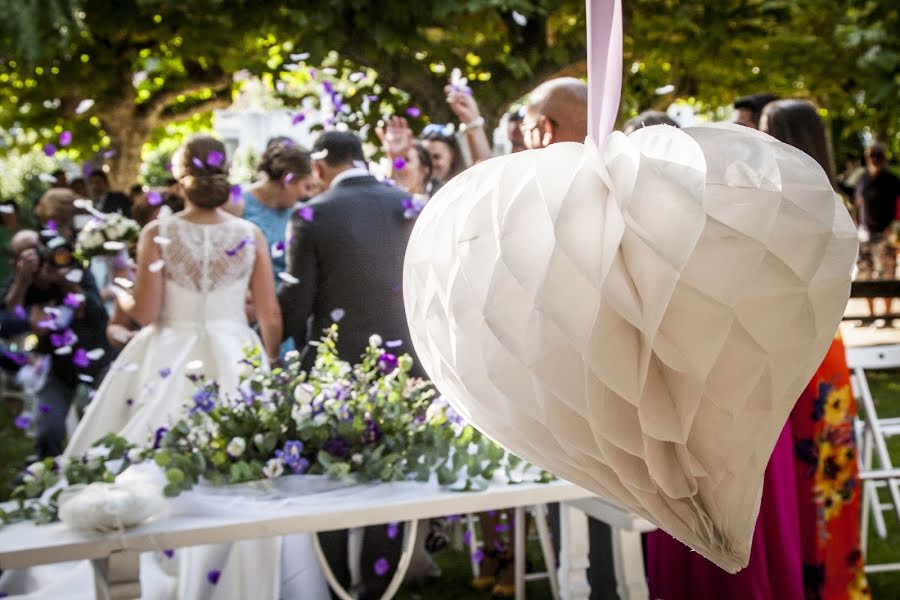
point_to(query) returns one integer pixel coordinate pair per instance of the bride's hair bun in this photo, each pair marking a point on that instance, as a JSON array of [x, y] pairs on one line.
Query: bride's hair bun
[[201, 167]]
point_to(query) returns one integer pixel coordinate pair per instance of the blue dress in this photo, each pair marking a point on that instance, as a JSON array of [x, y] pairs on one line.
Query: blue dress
[[273, 222]]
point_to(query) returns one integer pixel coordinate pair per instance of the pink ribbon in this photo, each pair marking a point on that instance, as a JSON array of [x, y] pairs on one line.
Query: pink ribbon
[[604, 55]]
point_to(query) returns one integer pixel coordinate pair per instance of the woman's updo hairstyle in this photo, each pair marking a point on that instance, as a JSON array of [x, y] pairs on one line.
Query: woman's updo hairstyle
[[201, 167], [284, 158]]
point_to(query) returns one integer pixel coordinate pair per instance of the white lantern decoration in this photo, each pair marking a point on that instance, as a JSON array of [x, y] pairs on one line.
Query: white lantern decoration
[[640, 323]]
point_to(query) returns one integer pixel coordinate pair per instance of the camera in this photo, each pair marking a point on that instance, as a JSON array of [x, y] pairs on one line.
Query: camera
[[57, 252]]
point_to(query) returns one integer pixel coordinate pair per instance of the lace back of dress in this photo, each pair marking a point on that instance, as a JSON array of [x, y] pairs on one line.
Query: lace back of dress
[[203, 258]]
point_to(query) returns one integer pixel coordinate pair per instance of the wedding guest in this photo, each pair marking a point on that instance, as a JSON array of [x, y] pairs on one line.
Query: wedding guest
[[286, 180], [877, 196], [79, 186], [514, 130], [63, 314], [646, 119], [748, 109], [556, 112], [446, 155], [60, 178], [105, 199], [56, 210], [410, 162], [471, 123], [345, 258]]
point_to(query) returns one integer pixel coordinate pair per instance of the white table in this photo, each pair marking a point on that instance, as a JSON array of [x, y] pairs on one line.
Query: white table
[[116, 555]]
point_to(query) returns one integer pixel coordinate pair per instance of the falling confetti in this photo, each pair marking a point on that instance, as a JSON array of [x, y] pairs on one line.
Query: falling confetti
[[382, 566], [306, 213], [84, 106], [156, 266], [113, 246], [194, 365], [235, 194], [123, 283], [65, 138], [338, 314], [215, 159], [96, 354], [154, 198], [75, 275], [520, 19], [393, 343], [162, 241], [213, 576], [298, 118], [288, 278], [413, 112], [49, 150]]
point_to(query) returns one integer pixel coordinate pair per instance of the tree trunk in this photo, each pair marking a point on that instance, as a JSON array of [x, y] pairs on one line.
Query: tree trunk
[[128, 130]]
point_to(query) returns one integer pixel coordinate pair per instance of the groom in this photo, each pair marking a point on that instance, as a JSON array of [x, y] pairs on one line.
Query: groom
[[345, 264]]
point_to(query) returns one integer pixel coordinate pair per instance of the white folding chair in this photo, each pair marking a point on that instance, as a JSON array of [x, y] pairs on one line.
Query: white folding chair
[[872, 433]]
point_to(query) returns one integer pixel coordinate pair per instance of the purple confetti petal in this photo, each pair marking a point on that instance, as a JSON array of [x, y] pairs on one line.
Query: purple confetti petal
[[501, 528], [392, 530], [467, 537], [52, 226], [327, 87], [154, 198], [213, 576], [65, 138], [399, 163], [169, 553], [382, 566], [73, 300], [215, 159], [288, 178], [80, 358], [478, 556], [129, 402], [198, 163], [298, 118], [44, 408], [23, 422], [235, 194], [306, 213], [20, 311], [165, 372], [49, 150], [87, 169], [413, 112], [239, 247], [109, 154]]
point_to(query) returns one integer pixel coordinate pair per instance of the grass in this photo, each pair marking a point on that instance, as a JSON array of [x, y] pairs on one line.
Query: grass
[[885, 388]]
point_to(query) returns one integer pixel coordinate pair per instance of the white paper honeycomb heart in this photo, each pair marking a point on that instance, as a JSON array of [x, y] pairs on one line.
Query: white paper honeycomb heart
[[640, 324]]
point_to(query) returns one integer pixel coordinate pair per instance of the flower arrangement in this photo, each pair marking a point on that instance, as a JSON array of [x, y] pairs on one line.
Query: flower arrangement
[[365, 422], [108, 235]]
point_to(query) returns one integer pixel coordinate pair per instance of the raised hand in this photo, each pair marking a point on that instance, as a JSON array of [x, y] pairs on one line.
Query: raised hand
[[462, 104]]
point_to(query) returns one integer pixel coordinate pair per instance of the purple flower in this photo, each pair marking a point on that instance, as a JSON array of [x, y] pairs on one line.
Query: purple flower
[[154, 198], [73, 300], [372, 433], [158, 436], [198, 163], [49, 150], [306, 213], [327, 87], [298, 118], [215, 159], [387, 362], [235, 193], [392, 530], [80, 358], [44, 408], [65, 138], [413, 112], [169, 553], [164, 373], [23, 421], [213, 576], [20, 311], [382, 566], [399, 163], [337, 447], [501, 527], [204, 400], [453, 518], [291, 455], [58, 340]]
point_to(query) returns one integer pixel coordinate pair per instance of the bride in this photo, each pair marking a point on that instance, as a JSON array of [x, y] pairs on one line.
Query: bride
[[194, 269]]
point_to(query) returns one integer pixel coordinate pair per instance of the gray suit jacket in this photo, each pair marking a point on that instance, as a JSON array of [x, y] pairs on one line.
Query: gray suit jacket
[[349, 256]]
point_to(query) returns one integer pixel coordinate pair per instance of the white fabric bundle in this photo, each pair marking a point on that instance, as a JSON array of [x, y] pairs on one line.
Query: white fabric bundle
[[640, 324]]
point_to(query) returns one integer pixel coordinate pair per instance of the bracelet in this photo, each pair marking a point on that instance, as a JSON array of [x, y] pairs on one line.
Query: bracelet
[[479, 122]]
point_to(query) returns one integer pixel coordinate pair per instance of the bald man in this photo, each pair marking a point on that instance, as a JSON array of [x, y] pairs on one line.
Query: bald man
[[556, 112]]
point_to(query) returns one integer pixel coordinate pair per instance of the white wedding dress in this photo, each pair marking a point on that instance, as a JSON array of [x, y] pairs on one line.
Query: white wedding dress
[[203, 326]]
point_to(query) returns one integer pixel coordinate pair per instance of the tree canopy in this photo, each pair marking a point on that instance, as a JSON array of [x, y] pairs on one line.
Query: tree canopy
[[113, 72]]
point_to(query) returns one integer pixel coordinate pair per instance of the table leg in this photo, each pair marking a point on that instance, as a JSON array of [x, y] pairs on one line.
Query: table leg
[[409, 539], [574, 549], [118, 577], [628, 557]]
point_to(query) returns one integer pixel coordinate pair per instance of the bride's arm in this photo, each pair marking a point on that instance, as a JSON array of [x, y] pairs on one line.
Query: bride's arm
[[145, 301], [262, 288]]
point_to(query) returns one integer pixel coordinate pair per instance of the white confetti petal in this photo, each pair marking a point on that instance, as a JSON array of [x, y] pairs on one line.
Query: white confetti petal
[[86, 378], [96, 354], [357, 76], [124, 283], [75, 275], [164, 211], [84, 106], [301, 56], [162, 241], [338, 314], [113, 246], [329, 71], [7, 209], [47, 178], [277, 249], [63, 351], [194, 365], [666, 89], [520, 19], [288, 278], [56, 242], [157, 265]]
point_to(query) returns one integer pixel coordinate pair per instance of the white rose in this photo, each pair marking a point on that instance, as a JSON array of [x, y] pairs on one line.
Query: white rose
[[34, 471], [301, 412], [375, 340], [357, 458], [236, 447], [303, 393], [258, 439], [245, 370], [274, 468]]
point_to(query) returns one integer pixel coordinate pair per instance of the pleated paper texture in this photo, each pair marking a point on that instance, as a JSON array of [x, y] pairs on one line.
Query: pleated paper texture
[[640, 323]]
